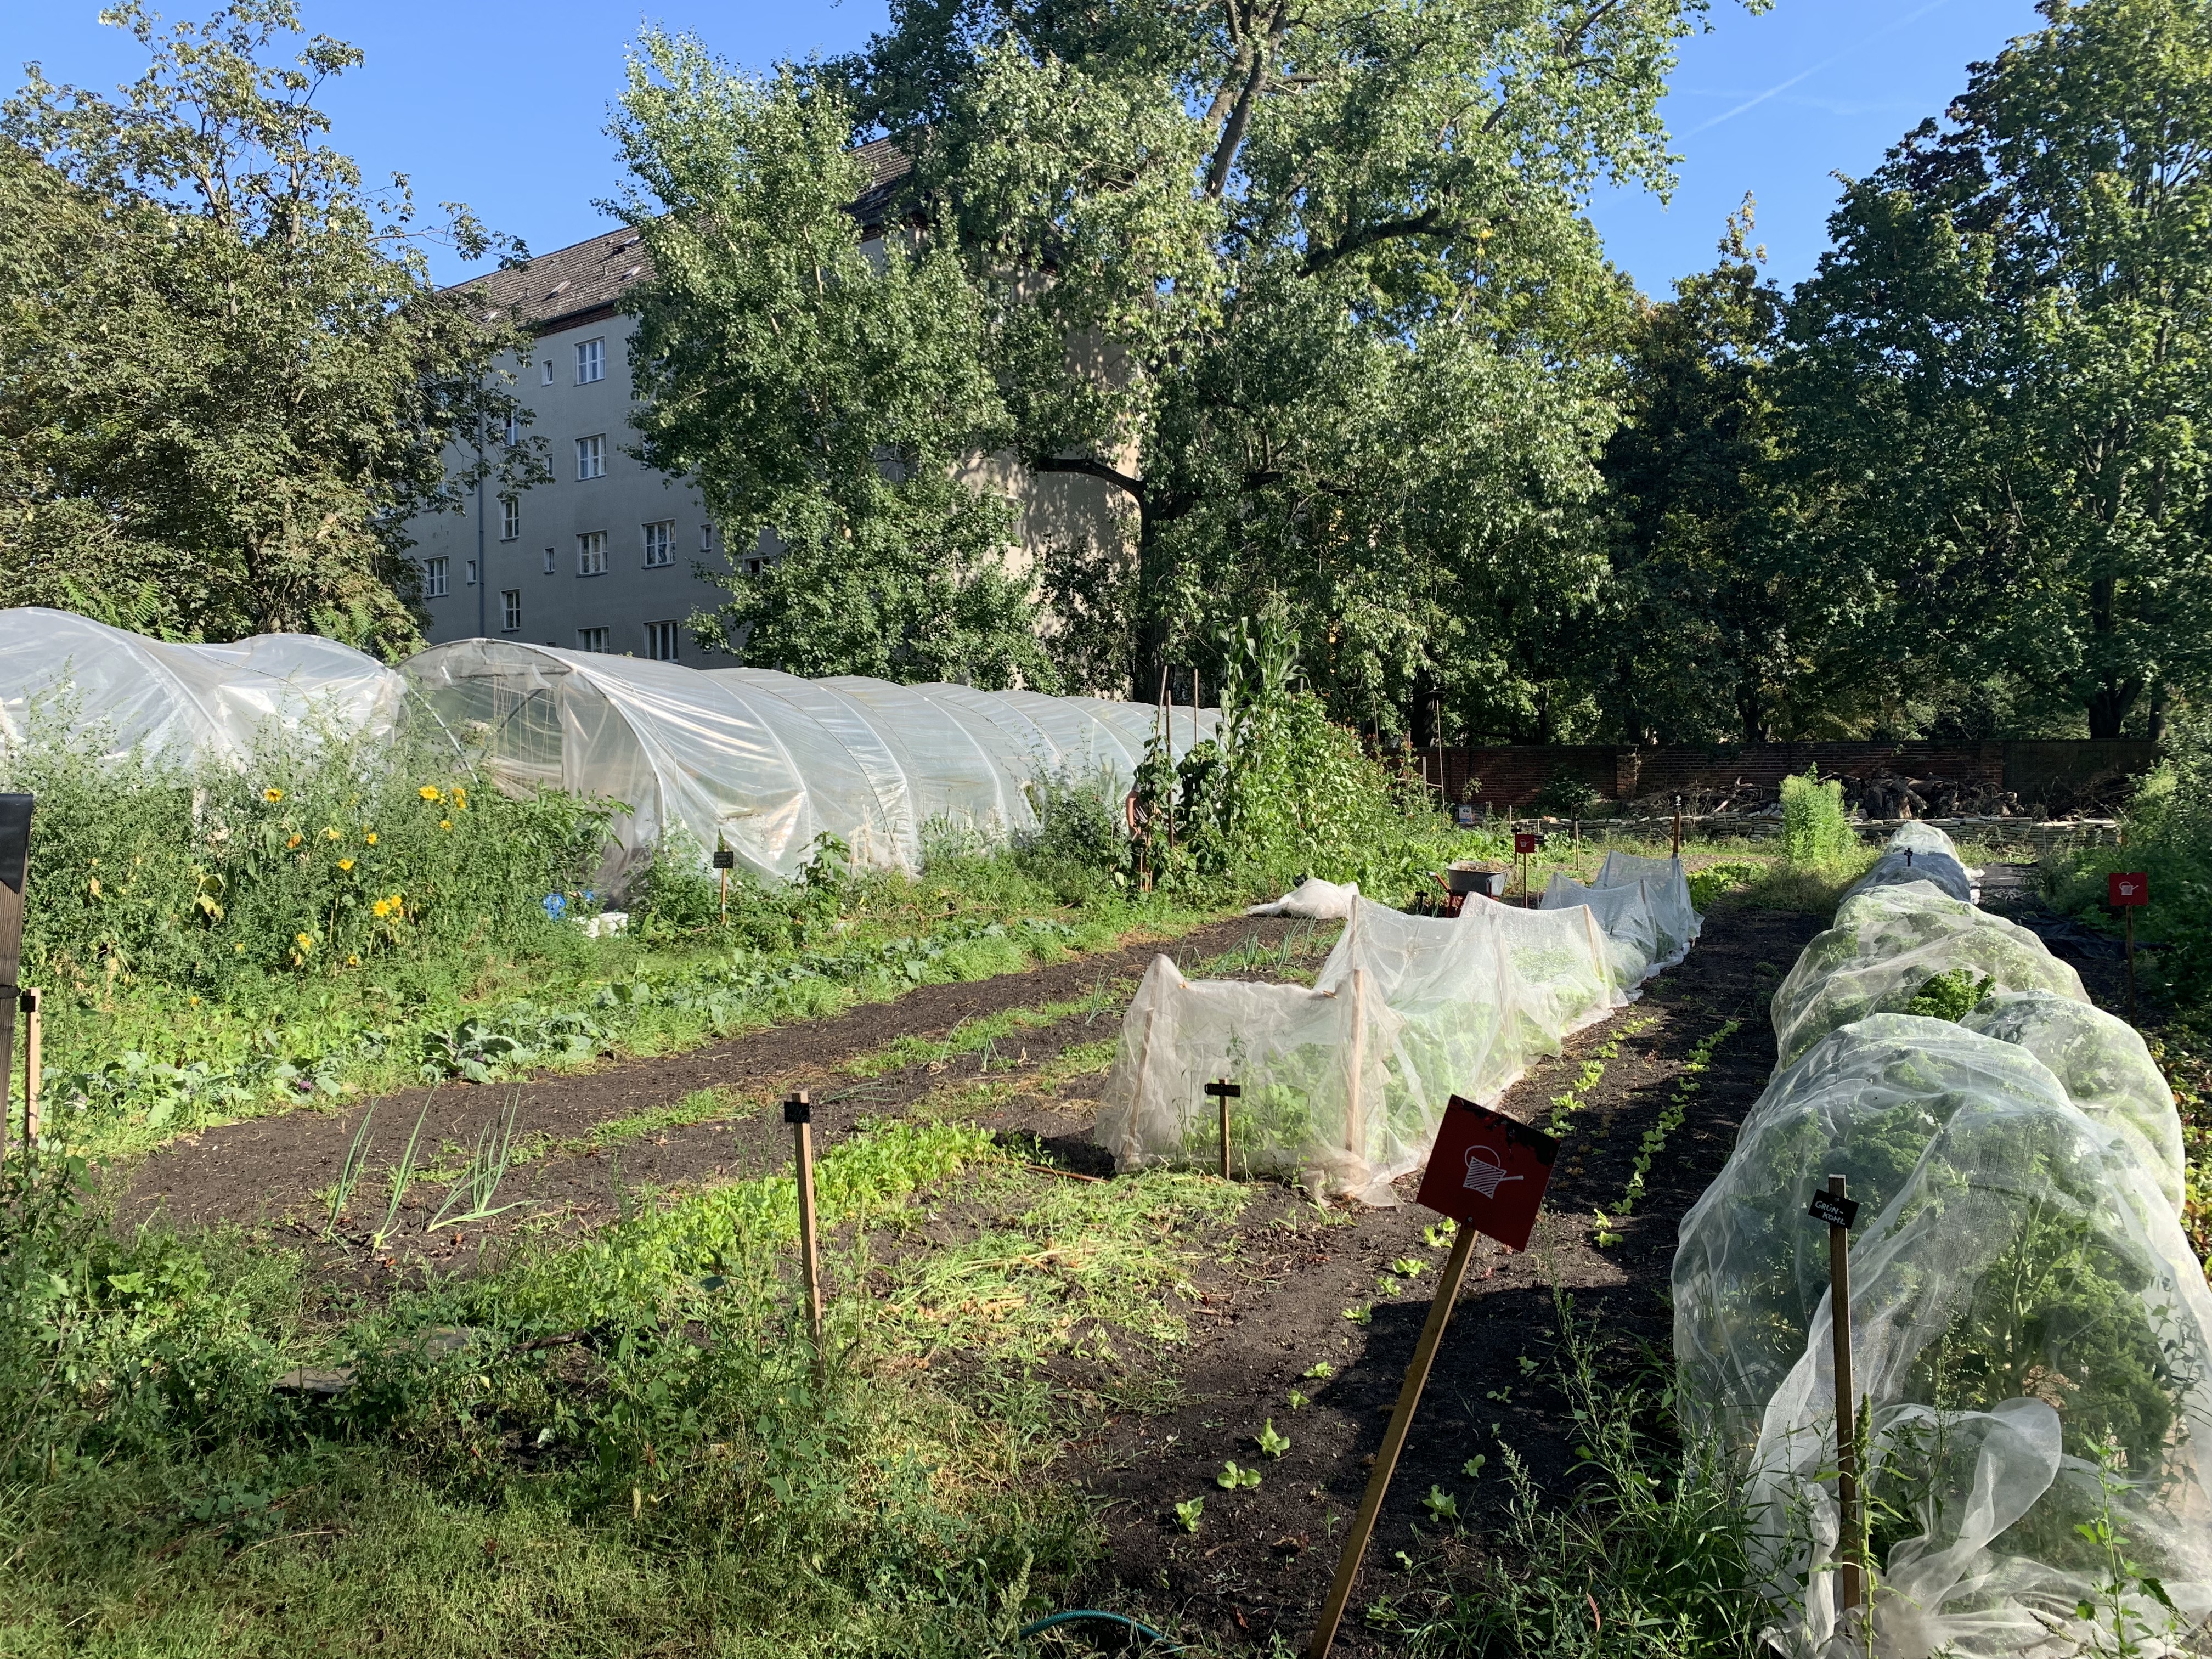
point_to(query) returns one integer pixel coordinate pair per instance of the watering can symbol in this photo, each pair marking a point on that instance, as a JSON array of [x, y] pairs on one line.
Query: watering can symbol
[[1484, 1173]]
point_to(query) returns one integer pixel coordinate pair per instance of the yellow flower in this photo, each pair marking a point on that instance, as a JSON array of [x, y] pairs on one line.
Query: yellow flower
[[372, 838], [345, 864], [381, 908], [272, 796], [428, 792], [445, 823], [294, 842], [329, 835], [353, 961], [303, 941], [460, 798]]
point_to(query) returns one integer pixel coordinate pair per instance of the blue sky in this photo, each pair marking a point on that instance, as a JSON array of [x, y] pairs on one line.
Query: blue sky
[[503, 104]]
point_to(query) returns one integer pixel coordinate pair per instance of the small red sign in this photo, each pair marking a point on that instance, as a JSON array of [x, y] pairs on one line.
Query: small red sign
[[1488, 1172], [2121, 890], [1526, 840]]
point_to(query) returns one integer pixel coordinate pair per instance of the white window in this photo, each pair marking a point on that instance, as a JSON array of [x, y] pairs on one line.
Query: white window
[[591, 457], [471, 567], [659, 544], [514, 429], [592, 554], [591, 639], [433, 578], [545, 373], [591, 361], [552, 559], [510, 610], [706, 538], [510, 518], [661, 641]]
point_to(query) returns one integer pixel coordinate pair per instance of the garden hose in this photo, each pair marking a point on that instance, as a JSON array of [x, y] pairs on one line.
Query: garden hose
[[1090, 1615]]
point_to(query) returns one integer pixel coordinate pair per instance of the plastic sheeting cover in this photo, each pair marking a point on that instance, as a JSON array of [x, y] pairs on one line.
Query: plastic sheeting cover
[[765, 762], [2034, 1338], [1918, 852], [1624, 916], [1886, 943], [1678, 921], [1564, 961], [185, 703]]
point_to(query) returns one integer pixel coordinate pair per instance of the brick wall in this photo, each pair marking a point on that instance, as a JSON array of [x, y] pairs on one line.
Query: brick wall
[[1509, 774]]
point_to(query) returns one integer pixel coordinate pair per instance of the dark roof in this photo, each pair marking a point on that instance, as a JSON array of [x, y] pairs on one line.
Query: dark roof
[[575, 284]]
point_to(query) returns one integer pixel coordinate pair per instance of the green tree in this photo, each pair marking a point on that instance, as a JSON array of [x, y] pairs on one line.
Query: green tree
[[2001, 377], [1697, 647], [828, 395], [1303, 294], [226, 382]]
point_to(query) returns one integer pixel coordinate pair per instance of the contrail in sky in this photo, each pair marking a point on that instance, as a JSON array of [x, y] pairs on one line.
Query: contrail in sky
[[1833, 58]]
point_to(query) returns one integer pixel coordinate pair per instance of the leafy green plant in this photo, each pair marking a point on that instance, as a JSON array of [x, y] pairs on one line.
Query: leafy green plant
[[1951, 995], [1297, 1399], [1474, 1465], [1320, 1371], [1271, 1443], [1188, 1512], [1441, 1504], [1361, 1312], [1409, 1266], [1234, 1478], [1815, 831], [1685, 1090], [1439, 1234]]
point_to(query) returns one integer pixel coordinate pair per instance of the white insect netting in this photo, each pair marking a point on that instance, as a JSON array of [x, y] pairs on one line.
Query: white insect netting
[[1421, 1009], [183, 704], [1625, 917], [767, 763], [1886, 943], [1678, 919], [1918, 852], [1315, 1068], [2031, 1335], [2105, 1067]]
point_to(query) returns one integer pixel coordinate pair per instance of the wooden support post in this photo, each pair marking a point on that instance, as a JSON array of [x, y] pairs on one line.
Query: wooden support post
[[14, 868], [1847, 1413], [33, 1067], [1225, 1092], [799, 1113], [1678, 826], [1394, 1442], [2131, 964]]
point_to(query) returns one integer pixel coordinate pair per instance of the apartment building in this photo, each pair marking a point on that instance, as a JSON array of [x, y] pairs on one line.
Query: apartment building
[[606, 556]]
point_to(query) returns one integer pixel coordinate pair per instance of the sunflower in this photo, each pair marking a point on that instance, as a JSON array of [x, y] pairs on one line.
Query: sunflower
[[272, 795], [428, 792]]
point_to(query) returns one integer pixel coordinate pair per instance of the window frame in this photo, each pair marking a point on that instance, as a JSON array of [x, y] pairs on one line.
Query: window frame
[[546, 370], [437, 577], [666, 540], [510, 611], [596, 347], [510, 518], [597, 453], [593, 640], [590, 553], [654, 637]]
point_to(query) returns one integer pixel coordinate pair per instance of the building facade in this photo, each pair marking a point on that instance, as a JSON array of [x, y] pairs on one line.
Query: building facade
[[607, 555]]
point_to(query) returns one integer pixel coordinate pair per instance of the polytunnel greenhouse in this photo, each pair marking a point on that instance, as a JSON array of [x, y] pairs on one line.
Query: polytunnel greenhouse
[[182, 703], [766, 763]]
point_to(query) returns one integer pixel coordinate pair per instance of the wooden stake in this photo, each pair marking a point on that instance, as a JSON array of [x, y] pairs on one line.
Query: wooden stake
[[1847, 1413], [2131, 964], [1225, 1092], [799, 1113], [1355, 1110], [33, 1069], [1678, 826], [15, 872], [1394, 1442]]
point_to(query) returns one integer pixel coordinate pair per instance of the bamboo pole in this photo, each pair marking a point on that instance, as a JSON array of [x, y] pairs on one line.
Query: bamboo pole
[[1394, 1442], [799, 1112]]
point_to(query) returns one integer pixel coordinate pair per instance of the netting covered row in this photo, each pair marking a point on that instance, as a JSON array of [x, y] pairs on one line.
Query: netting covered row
[[1344, 1085], [183, 704], [1678, 920], [1919, 851], [765, 762], [2031, 1335], [1886, 943], [1625, 916]]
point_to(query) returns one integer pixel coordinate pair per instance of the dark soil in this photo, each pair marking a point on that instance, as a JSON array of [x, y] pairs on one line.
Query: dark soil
[[1261, 1562], [267, 1172]]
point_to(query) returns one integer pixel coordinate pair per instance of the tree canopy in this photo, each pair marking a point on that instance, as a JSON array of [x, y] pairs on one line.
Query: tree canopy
[[226, 382]]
